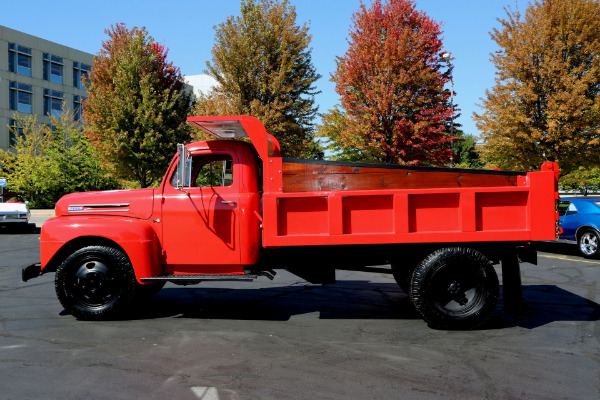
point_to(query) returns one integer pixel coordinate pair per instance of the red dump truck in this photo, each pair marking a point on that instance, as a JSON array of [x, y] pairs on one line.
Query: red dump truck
[[236, 210]]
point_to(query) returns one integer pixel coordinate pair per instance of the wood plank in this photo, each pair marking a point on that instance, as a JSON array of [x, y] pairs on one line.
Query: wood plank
[[300, 177]]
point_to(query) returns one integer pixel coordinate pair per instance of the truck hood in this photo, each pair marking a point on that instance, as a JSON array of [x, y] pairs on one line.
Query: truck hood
[[135, 203]]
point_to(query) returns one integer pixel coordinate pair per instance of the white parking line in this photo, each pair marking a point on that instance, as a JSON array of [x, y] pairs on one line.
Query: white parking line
[[16, 346], [205, 393]]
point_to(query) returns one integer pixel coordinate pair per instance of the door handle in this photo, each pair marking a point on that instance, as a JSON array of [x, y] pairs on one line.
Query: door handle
[[228, 202]]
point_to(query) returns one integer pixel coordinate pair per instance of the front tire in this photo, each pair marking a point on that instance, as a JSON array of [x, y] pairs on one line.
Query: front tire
[[95, 282], [455, 288], [588, 244]]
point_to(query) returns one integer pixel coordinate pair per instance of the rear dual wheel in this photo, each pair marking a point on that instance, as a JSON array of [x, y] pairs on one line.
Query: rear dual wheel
[[455, 288]]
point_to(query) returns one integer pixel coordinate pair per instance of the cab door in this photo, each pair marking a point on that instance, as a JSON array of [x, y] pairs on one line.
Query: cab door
[[201, 221]]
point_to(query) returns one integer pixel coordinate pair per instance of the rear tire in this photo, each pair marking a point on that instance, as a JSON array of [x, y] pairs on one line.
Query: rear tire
[[455, 288], [401, 275], [588, 244], [403, 268], [95, 282]]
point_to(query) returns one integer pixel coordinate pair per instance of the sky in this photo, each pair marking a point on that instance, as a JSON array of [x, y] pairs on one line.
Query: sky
[[186, 27]]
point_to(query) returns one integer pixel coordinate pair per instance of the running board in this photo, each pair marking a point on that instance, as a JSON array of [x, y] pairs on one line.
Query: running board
[[196, 278]]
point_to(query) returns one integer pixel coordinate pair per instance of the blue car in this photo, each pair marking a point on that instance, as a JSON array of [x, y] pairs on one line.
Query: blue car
[[580, 223]]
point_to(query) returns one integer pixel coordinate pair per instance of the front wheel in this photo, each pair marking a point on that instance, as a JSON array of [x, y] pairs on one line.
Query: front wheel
[[95, 282], [588, 244], [455, 288]]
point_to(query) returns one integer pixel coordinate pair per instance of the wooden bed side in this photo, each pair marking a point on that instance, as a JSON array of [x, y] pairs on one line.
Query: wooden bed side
[[301, 176]]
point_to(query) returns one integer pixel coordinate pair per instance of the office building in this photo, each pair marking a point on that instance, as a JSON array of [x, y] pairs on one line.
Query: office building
[[37, 77]]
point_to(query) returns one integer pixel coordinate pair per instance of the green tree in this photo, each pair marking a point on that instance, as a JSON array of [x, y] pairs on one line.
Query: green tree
[[583, 180], [262, 62], [545, 104], [391, 82], [137, 107], [466, 154], [49, 162], [339, 142]]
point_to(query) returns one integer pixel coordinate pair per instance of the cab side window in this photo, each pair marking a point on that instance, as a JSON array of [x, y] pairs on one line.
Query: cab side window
[[209, 171], [212, 171], [562, 207], [567, 208]]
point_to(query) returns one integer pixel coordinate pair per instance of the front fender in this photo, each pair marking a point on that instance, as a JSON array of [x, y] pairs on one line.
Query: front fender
[[61, 236]]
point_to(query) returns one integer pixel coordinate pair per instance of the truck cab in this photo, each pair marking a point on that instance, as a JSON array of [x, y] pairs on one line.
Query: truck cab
[[213, 209]]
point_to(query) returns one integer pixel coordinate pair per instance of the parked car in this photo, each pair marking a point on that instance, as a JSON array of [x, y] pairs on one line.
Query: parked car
[[13, 210], [580, 223]]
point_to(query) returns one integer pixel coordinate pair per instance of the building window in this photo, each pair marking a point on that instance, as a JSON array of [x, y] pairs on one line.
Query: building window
[[78, 107], [53, 68], [19, 59], [20, 97], [53, 103], [80, 70], [16, 131]]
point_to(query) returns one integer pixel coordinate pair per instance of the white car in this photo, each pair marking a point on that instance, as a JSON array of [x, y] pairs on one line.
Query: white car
[[13, 210]]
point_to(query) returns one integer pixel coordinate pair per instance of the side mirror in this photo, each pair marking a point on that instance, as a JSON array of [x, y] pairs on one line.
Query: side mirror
[[184, 167]]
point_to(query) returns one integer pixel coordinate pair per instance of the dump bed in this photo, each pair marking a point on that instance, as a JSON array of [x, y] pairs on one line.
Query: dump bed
[[307, 202], [345, 203]]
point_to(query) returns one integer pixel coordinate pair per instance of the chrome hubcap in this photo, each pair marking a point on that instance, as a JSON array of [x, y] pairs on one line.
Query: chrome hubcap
[[588, 243]]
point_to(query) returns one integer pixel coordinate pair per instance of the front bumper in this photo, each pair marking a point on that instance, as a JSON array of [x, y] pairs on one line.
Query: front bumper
[[31, 271]]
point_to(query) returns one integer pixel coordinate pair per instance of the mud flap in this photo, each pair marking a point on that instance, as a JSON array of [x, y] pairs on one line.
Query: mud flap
[[512, 291], [31, 271]]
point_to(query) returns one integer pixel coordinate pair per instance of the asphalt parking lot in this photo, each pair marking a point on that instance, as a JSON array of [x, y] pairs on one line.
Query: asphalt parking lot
[[287, 339]]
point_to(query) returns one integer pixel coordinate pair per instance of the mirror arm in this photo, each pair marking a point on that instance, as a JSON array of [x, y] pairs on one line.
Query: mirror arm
[[184, 167]]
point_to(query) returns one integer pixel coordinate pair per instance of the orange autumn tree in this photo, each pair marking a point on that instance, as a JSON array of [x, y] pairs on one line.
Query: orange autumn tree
[[136, 108], [394, 108], [545, 104]]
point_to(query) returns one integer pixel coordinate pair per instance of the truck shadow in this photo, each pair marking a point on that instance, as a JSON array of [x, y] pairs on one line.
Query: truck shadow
[[569, 249], [342, 300], [545, 304], [11, 229], [350, 300]]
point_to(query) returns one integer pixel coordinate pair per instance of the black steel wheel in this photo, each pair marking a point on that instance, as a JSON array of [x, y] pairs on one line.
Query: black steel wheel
[[95, 282], [587, 243], [455, 288]]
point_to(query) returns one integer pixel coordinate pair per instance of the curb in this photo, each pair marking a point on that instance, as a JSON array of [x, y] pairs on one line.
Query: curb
[[42, 212]]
